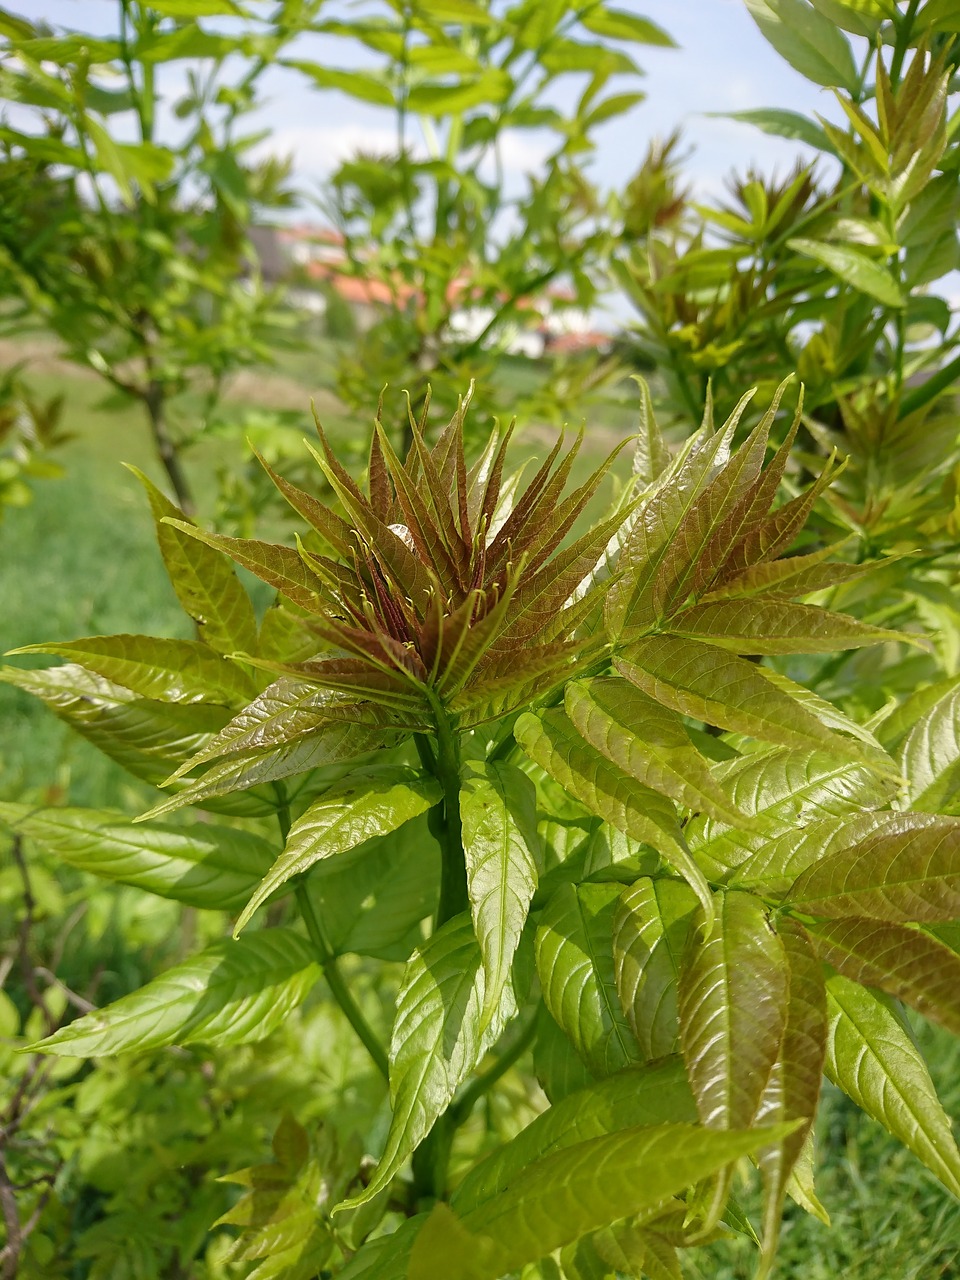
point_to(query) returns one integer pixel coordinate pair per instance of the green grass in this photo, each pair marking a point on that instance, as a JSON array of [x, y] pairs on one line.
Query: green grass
[[890, 1218]]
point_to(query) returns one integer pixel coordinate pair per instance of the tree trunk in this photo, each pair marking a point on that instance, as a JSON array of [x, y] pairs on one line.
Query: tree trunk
[[166, 449]]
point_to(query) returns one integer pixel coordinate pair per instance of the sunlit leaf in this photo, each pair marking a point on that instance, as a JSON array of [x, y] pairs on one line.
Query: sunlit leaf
[[498, 811], [576, 970], [872, 1057], [436, 1042], [203, 866], [349, 813], [232, 993]]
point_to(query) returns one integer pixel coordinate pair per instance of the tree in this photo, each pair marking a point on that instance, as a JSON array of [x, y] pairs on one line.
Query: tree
[[135, 255], [437, 228]]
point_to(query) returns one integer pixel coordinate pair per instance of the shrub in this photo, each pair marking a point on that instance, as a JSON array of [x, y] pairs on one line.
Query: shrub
[[553, 774]]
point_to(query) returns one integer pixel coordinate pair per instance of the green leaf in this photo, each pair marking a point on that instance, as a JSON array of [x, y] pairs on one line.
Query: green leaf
[[560, 1071], [785, 124], [356, 809], [596, 1182], [651, 457], [648, 742], [651, 929], [232, 993], [145, 737], [385, 1257], [793, 1089], [777, 626], [167, 670], [909, 871], [280, 566], [905, 963], [644, 815], [785, 791], [445, 1247], [872, 1057], [807, 40], [197, 8], [855, 268], [929, 757], [438, 100], [362, 85], [334, 743], [498, 812], [203, 866], [732, 1005], [649, 1094], [620, 24], [859, 17], [372, 900], [575, 965], [778, 862], [706, 683], [204, 580], [437, 1040]]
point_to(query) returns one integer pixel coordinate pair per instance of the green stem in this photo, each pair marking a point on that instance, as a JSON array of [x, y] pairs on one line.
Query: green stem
[[445, 821], [328, 961], [484, 1083], [904, 32]]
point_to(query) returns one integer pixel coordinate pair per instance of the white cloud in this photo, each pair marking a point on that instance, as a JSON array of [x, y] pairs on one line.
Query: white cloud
[[318, 149]]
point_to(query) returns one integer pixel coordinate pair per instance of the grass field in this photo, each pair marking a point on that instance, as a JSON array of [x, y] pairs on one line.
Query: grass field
[[81, 560]]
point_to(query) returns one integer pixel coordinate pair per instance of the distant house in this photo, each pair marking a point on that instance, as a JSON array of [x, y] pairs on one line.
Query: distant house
[[313, 260]]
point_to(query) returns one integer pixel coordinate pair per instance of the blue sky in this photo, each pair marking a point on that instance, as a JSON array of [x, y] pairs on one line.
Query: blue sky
[[723, 64]]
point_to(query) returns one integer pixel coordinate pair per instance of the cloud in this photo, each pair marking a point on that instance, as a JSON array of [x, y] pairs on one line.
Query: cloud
[[318, 149]]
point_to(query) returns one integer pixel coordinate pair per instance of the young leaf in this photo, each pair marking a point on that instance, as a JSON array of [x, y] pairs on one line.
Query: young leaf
[[649, 1094], [203, 866], [165, 670], [575, 965], [907, 871], [704, 682], [498, 813], [732, 1005], [651, 457], [204, 580], [905, 963], [651, 928], [354, 810], [232, 993], [648, 742], [783, 791], [793, 1090], [777, 626], [872, 1057], [778, 862], [599, 1181], [551, 741], [437, 1040], [332, 744], [929, 757]]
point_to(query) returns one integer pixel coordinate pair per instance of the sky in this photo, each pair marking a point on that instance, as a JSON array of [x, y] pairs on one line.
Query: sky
[[723, 64]]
